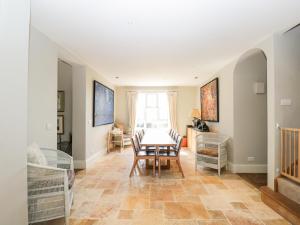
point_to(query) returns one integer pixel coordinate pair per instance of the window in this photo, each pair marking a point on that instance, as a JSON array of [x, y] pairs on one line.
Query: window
[[152, 111]]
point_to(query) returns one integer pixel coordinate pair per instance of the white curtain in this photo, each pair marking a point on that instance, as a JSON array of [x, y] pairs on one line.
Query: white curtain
[[131, 101], [172, 99]]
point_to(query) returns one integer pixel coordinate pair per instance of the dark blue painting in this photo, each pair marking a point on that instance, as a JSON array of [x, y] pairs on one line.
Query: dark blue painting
[[103, 105]]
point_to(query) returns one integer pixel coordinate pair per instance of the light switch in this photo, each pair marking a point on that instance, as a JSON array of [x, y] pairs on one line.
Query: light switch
[[89, 122], [285, 101]]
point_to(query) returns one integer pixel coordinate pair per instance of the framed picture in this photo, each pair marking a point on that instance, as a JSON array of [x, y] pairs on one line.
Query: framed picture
[[209, 101], [60, 101], [103, 105], [60, 124]]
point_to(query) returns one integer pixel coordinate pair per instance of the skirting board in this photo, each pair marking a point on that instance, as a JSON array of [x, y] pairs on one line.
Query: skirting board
[[83, 164], [79, 164], [248, 168]]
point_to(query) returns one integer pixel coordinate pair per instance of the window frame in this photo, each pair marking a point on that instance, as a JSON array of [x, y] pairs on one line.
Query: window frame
[[156, 107]]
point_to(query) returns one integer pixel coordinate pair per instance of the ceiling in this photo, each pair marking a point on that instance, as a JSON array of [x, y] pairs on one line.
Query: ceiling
[[160, 42]]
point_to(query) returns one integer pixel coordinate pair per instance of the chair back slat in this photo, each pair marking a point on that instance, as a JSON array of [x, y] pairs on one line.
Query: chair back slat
[[138, 140], [178, 144], [135, 146]]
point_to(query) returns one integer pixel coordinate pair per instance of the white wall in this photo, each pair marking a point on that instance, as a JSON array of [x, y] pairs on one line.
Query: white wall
[[287, 47], [79, 116], [14, 38], [88, 142], [65, 83], [287, 79], [226, 124], [250, 111], [42, 90], [186, 101], [96, 137]]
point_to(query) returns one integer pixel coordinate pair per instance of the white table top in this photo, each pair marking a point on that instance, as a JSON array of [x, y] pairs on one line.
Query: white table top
[[157, 138]]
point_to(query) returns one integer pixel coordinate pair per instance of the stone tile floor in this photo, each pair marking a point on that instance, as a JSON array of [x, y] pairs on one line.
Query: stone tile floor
[[105, 195]]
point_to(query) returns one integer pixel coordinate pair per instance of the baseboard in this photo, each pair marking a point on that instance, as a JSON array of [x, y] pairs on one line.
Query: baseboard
[[79, 164], [248, 168], [93, 158], [83, 164]]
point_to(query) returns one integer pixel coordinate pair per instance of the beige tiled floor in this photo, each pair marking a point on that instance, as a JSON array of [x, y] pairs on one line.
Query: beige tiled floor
[[104, 194]]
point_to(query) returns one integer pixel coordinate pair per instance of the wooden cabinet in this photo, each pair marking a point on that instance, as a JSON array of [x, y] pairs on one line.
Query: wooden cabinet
[[189, 135]]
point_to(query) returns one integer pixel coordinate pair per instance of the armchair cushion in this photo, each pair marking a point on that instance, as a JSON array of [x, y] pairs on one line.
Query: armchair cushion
[[35, 155], [167, 154], [209, 152]]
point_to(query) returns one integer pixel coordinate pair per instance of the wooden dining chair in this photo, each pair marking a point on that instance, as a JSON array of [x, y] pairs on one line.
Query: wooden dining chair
[[144, 148], [175, 137], [172, 154], [140, 154], [172, 133]]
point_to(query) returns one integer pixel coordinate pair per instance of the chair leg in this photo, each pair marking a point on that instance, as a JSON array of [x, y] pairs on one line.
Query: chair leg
[[180, 168], [138, 167], [159, 167], [133, 166], [168, 163], [154, 165]]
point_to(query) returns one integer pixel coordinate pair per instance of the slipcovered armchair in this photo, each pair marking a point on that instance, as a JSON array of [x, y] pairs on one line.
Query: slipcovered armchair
[[50, 187]]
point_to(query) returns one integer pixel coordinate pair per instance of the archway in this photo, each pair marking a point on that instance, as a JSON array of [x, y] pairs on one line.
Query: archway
[[250, 115]]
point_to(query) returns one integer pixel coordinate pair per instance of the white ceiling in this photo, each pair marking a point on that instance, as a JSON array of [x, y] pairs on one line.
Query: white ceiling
[[160, 42]]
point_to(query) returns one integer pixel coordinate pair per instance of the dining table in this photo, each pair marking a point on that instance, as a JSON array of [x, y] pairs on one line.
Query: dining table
[[159, 139]]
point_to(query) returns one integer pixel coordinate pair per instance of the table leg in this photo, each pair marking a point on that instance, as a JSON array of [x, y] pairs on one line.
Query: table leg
[[157, 153], [168, 161]]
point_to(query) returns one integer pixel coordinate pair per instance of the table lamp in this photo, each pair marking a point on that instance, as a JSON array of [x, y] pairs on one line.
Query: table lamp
[[196, 114]]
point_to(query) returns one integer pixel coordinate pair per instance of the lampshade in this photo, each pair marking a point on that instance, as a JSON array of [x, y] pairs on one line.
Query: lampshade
[[196, 113]]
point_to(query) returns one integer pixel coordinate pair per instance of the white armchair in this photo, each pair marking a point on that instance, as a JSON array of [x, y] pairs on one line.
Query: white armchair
[[211, 151], [50, 187]]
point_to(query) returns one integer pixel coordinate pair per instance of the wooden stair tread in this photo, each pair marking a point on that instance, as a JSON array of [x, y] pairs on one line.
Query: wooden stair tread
[[281, 204]]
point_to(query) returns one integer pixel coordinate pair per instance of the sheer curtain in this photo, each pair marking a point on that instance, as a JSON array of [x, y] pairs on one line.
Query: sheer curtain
[[131, 101], [172, 99]]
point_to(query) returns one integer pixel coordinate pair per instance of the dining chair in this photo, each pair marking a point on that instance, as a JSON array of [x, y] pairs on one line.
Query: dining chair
[[173, 154], [140, 134], [144, 148], [140, 154], [173, 133], [175, 137]]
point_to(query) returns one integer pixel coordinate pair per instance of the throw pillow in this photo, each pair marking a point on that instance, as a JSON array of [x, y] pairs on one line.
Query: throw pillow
[[35, 155]]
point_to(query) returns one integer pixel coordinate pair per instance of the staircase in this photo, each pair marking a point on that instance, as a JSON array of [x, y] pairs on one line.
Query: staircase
[[285, 199]]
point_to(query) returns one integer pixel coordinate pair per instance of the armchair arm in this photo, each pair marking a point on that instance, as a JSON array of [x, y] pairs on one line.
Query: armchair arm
[[58, 158]]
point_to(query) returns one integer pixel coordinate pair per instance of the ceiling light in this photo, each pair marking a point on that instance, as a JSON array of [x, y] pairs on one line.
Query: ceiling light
[[196, 77], [116, 77]]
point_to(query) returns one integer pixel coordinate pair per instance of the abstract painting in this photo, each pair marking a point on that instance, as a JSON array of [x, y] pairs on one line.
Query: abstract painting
[[209, 100], [103, 107]]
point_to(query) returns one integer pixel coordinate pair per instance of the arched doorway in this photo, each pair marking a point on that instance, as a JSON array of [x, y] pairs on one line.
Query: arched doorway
[[250, 116]]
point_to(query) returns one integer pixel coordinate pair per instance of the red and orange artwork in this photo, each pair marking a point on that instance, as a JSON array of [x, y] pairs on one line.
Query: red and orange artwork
[[209, 98]]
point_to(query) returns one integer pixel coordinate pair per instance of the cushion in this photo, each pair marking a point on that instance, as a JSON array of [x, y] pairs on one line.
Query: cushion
[[71, 178], [35, 155], [209, 152], [168, 154], [146, 153]]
